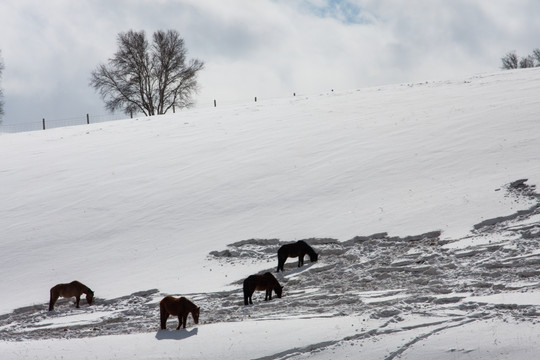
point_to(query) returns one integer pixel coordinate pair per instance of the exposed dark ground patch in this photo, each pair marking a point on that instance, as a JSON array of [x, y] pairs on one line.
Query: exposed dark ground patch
[[378, 276]]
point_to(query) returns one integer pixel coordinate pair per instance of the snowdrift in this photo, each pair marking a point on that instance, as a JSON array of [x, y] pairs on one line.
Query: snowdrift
[[420, 199]]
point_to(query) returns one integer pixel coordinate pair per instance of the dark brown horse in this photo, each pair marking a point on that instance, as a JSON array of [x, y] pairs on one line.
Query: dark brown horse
[[180, 307], [298, 249], [265, 282], [74, 288]]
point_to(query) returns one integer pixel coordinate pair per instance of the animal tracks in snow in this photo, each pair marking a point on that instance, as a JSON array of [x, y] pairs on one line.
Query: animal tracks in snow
[[416, 285], [128, 314]]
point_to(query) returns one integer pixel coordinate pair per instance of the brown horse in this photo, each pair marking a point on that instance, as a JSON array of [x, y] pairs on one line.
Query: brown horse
[[180, 307], [298, 249], [74, 288], [266, 282]]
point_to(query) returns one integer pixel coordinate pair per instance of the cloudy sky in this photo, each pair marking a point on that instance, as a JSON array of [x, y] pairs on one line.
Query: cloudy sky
[[263, 48]]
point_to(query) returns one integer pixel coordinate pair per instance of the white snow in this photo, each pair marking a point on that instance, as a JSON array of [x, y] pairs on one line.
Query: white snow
[[134, 208]]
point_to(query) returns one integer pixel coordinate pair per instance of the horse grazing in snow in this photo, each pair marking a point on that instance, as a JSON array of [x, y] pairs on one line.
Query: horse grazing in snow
[[180, 307], [265, 282], [298, 249], [74, 288]]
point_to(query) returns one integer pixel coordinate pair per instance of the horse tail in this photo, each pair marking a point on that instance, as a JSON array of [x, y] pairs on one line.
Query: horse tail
[[282, 257], [279, 265], [245, 288], [163, 315], [161, 307], [53, 298], [249, 289]]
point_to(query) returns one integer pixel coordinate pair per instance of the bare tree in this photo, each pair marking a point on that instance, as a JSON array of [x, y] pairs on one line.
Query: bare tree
[[536, 55], [147, 78], [526, 62], [510, 61]]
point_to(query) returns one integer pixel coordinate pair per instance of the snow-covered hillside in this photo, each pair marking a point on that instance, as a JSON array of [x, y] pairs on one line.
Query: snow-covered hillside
[[428, 243]]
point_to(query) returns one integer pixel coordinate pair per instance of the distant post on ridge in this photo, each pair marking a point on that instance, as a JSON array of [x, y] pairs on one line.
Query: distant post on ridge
[[43, 123], [87, 119]]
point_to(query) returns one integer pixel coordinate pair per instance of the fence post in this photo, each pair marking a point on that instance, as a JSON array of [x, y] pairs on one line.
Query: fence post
[[255, 99], [215, 103], [43, 123], [87, 119], [173, 110], [131, 114]]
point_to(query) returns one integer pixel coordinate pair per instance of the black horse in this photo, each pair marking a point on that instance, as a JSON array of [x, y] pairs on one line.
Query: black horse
[[298, 249], [265, 282]]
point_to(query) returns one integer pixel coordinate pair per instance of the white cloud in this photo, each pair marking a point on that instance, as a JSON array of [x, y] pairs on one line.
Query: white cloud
[[265, 48]]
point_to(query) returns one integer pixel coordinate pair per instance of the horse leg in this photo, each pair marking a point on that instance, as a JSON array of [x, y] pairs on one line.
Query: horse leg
[[179, 321], [77, 300], [52, 301], [268, 295], [301, 259], [184, 318], [247, 296], [281, 263]]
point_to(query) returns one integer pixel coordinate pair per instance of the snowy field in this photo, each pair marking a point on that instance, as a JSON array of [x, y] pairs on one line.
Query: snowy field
[[414, 196]]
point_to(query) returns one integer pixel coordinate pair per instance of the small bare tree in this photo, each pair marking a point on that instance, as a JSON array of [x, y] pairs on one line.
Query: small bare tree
[[526, 62], [536, 55], [510, 61], [147, 78]]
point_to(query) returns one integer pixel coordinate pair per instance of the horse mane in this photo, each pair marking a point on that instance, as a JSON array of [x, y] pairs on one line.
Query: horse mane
[[191, 303], [85, 288]]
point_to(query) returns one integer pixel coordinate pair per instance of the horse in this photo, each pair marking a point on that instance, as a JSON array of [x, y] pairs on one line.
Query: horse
[[298, 249], [74, 288], [180, 307], [265, 282]]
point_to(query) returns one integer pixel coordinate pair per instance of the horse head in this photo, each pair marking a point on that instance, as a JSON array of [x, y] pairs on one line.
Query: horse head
[[89, 296], [195, 313], [279, 290]]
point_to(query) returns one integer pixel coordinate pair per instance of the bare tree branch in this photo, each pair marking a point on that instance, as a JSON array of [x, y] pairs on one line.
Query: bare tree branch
[[510, 61], [536, 55], [526, 62]]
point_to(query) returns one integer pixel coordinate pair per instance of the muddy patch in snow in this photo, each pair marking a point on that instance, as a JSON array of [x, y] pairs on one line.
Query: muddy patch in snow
[[379, 277]]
